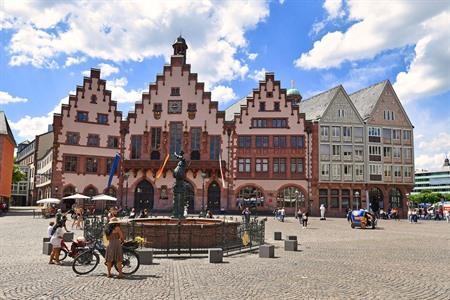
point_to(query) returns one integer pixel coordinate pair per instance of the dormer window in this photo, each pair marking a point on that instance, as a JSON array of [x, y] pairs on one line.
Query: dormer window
[[175, 91], [94, 99], [262, 106]]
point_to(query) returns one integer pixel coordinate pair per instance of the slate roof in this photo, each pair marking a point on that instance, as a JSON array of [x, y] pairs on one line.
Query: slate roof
[[314, 107], [366, 99], [234, 108], [4, 127]]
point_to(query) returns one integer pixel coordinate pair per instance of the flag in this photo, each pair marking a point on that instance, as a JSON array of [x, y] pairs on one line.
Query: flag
[[113, 169], [221, 170], [161, 169]]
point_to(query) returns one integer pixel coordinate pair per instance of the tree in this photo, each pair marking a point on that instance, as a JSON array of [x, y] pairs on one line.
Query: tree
[[428, 197], [17, 175]]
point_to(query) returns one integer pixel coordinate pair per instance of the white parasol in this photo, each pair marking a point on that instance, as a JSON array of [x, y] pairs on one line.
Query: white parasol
[[103, 197], [76, 197], [49, 200]]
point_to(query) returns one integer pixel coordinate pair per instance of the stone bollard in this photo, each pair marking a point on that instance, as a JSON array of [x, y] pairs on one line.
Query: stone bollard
[[47, 248], [277, 236], [68, 236], [267, 251], [215, 255], [145, 256], [46, 240], [291, 237], [290, 245]]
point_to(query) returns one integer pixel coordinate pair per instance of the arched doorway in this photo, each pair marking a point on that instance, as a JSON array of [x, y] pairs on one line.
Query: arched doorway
[[143, 196], [68, 191], [90, 191], [250, 196], [396, 198], [213, 197], [376, 199], [189, 196], [287, 196]]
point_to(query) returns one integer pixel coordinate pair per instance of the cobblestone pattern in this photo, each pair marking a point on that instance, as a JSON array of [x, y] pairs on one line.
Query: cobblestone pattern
[[397, 261]]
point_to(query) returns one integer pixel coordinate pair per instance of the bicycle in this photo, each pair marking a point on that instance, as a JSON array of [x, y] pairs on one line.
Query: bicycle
[[88, 260]]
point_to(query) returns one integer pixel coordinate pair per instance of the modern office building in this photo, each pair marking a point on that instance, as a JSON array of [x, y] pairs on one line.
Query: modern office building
[[435, 181]]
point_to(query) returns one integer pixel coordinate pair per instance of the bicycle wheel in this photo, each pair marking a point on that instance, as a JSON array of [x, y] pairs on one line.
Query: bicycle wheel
[[85, 263], [130, 263], [62, 254]]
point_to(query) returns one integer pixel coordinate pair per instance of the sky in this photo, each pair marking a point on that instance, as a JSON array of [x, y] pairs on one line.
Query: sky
[[46, 47]]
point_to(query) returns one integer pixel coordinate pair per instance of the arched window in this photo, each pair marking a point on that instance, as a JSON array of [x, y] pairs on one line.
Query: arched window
[[68, 190], [395, 197], [111, 191], [90, 191], [250, 196], [287, 197]]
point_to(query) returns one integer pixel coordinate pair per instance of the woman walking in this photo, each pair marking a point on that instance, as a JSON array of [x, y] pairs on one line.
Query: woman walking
[[55, 240], [114, 252], [305, 219]]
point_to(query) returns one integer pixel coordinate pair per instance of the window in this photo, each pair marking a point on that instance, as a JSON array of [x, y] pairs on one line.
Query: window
[[135, 146], [395, 198], [375, 150], [387, 152], [324, 132], [374, 131], [156, 137], [396, 152], [93, 140], [345, 199], [82, 116], [341, 113], [325, 170], [297, 141], [407, 171], [347, 150], [334, 203], [389, 115], [336, 150], [112, 142], [358, 133], [250, 196], [279, 123], [259, 123], [214, 147], [347, 132], [276, 106], [175, 91], [176, 137], [323, 197], [279, 165], [375, 169], [262, 165], [269, 94], [348, 170], [407, 153], [109, 162], [244, 165], [396, 133], [174, 107], [93, 99], [262, 141], [387, 133], [192, 107], [359, 170], [279, 141], [296, 165], [336, 171], [397, 170], [102, 118], [196, 133], [336, 131], [290, 196], [245, 141], [91, 165], [387, 171], [324, 151], [157, 107], [70, 164], [262, 106], [407, 135], [73, 138]]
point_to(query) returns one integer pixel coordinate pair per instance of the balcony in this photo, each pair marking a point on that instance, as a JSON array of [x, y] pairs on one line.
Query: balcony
[[358, 139], [336, 138], [325, 177], [324, 138], [347, 138], [171, 164], [348, 177], [336, 177], [324, 157], [359, 178], [358, 158], [347, 158], [336, 157]]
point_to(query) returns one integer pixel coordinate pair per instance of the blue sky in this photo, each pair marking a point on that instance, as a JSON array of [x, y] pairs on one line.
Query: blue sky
[[46, 47]]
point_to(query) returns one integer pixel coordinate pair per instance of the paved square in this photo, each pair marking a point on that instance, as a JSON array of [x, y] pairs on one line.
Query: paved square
[[397, 261]]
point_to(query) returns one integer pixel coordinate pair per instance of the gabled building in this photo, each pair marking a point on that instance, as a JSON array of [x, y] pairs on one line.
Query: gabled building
[[22, 192], [7, 145], [43, 170]]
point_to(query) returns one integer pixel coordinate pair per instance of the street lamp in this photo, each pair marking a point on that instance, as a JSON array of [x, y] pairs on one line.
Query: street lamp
[[203, 193], [125, 176], [357, 199], [296, 203]]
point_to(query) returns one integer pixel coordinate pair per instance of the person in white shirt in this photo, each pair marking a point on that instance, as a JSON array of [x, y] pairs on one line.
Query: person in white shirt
[[322, 212], [55, 240], [50, 229]]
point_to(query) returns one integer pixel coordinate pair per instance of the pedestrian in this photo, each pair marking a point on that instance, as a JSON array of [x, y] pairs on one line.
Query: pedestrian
[[246, 215], [322, 212], [50, 229], [209, 214], [299, 215], [349, 215], [55, 240], [58, 215], [305, 219], [282, 214], [114, 252], [132, 214]]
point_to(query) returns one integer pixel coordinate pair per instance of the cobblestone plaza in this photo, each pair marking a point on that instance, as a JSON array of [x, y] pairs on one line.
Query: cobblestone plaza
[[398, 260]]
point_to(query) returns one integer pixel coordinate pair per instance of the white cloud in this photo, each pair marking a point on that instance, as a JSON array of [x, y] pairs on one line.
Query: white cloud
[[334, 8], [6, 98], [222, 94], [375, 29], [120, 94], [74, 61], [252, 56], [215, 31], [258, 75], [107, 70]]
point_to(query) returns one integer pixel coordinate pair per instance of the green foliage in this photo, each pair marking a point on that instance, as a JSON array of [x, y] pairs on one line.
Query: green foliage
[[17, 174], [429, 197]]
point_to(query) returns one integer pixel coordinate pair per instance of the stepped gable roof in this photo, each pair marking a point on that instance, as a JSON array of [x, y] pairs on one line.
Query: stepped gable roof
[[314, 107], [366, 99], [4, 127], [234, 109]]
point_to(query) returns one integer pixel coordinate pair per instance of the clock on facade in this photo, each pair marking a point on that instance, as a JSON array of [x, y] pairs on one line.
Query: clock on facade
[[175, 107]]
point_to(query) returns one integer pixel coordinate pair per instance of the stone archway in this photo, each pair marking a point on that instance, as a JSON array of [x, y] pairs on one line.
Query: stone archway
[[288, 195], [143, 196], [213, 197]]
